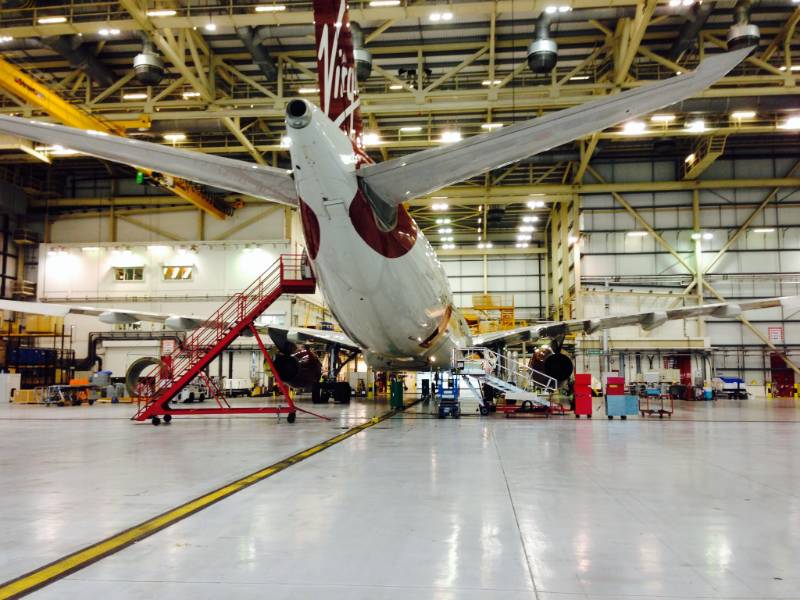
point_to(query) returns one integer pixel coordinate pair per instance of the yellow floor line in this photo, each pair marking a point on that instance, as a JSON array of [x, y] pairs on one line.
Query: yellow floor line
[[47, 574]]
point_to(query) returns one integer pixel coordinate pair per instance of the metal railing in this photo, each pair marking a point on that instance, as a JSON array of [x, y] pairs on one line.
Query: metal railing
[[475, 360]]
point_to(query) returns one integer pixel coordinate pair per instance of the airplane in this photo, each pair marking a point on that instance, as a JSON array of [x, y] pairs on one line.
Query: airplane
[[377, 272]]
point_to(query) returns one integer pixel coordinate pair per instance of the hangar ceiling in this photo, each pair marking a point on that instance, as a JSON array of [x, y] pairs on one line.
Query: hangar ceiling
[[439, 70]]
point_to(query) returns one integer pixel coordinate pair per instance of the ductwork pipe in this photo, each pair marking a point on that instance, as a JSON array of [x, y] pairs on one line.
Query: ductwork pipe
[[742, 33], [80, 57], [260, 55], [695, 20], [148, 65], [543, 51], [362, 56]]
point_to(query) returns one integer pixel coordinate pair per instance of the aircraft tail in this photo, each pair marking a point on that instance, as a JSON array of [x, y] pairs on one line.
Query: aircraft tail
[[336, 66]]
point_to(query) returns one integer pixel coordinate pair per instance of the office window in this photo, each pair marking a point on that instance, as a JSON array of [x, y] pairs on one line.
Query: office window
[[128, 273], [176, 273]]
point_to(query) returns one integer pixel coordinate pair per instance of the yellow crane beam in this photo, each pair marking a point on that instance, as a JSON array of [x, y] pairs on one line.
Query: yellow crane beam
[[17, 82]]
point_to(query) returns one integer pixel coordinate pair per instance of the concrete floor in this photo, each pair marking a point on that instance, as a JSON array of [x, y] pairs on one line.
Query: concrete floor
[[704, 506]]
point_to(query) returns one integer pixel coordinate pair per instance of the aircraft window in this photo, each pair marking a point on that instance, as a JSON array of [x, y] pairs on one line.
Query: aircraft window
[[128, 273], [181, 273]]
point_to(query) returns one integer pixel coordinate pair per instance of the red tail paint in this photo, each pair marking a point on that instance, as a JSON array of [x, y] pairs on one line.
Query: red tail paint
[[336, 67]]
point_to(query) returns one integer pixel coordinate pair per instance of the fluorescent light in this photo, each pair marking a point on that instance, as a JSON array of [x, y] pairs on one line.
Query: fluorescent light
[[579, 78], [491, 82], [634, 128], [524, 237], [564, 9], [108, 32], [743, 114], [764, 230], [521, 245], [175, 137], [5, 38], [527, 228], [792, 68], [161, 12], [636, 233], [90, 248], [791, 123], [690, 159], [379, 3], [210, 26], [444, 230], [270, 8], [696, 126], [371, 139], [530, 219], [135, 96], [440, 16], [491, 126], [440, 206], [286, 142], [442, 221], [448, 137], [411, 129], [308, 90], [51, 20], [533, 204], [708, 236], [187, 95], [447, 247], [396, 86], [697, 236], [663, 118]]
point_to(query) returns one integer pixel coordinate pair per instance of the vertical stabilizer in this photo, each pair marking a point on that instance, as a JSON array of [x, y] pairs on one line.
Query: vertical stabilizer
[[336, 67]]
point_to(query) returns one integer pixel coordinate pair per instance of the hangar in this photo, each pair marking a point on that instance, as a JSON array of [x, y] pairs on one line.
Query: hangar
[[399, 299]]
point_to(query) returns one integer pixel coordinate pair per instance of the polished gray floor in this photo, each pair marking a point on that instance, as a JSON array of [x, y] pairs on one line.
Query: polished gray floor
[[704, 506]]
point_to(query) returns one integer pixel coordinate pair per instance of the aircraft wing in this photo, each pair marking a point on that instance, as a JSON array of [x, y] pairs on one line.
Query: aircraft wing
[[401, 179], [217, 171], [647, 320], [111, 316], [298, 335]]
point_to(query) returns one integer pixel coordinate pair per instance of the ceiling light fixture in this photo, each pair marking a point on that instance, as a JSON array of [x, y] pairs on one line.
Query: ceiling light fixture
[[187, 95], [5, 39], [449, 137], [491, 126], [764, 230], [308, 90], [211, 27], [270, 8], [526, 228], [371, 139], [637, 233], [533, 204], [491, 82], [162, 12], [440, 206], [579, 78], [696, 126], [380, 3], [175, 137], [663, 118], [135, 96], [51, 20], [634, 128], [530, 219], [411, 129], [396, 86], [792, 123], [743, 114]]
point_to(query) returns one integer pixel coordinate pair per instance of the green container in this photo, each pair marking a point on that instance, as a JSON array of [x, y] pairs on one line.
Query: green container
[[396, 395]]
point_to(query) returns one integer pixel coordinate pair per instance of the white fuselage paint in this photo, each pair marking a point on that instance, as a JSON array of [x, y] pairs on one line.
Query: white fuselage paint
[[386, 305]]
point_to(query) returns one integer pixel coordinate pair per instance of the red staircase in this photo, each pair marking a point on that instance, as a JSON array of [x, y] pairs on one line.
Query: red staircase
[[290, 274]]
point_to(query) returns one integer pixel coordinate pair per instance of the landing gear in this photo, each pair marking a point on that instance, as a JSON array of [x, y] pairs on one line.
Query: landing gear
[[167, 419], [155, 421], [291, 417], [340, 391]]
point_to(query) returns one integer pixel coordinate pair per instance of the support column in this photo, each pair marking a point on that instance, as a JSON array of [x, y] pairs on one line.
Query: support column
[[698, 258]]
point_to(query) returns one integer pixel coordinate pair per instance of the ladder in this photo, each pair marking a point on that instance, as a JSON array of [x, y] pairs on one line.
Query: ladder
[[510, 377], [289, 274]]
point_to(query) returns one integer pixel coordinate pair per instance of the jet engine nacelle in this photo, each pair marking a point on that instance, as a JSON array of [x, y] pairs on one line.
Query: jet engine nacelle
[[556, 365], [301, 369]]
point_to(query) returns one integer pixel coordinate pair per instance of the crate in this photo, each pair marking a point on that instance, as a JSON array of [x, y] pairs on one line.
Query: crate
[[621, 405]]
